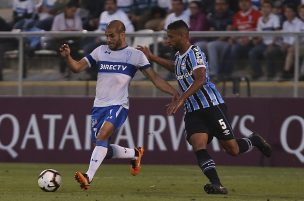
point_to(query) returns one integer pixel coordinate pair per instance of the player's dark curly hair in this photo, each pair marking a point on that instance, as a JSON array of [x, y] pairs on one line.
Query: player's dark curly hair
[[179, 24]]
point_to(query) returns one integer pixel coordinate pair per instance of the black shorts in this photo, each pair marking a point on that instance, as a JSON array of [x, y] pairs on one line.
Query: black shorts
[[211, 120]]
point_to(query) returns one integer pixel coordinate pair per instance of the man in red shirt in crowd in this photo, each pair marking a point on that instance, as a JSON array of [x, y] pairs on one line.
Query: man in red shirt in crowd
[[244, 20]]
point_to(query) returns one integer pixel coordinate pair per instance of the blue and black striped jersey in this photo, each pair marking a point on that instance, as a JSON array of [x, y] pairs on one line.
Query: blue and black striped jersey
[[185, 64]]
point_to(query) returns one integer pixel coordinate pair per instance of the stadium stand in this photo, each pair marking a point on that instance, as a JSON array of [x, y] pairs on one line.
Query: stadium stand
[[42, 62]]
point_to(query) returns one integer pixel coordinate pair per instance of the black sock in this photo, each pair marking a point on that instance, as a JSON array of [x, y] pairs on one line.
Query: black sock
[[207, 165], [255, 140], [245, 144]]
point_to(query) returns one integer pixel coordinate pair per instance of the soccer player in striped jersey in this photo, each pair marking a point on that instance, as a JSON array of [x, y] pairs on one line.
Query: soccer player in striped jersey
[[117, 64], [205, 110]]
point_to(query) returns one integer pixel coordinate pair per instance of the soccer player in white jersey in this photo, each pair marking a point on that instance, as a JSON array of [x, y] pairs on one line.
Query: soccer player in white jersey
[[117, 65]]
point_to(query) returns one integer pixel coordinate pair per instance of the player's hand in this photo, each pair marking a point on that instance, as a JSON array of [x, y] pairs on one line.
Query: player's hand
[[65, 50], [145, 50], [174, 106], [175, 96]]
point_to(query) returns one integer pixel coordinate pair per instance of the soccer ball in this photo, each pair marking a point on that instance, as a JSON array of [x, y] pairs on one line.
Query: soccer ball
[[49, 180]]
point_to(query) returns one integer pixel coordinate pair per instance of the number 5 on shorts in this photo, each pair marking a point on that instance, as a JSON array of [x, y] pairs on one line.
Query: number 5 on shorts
[[222, 123]]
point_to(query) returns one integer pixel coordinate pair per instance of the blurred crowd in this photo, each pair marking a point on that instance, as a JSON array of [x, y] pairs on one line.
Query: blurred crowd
[[268, 58]]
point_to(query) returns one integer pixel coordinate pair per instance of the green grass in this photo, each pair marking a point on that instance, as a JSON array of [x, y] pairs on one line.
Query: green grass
[[155, 183]]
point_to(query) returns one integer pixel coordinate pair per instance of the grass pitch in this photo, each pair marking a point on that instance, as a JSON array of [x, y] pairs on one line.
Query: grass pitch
[[155, 183]]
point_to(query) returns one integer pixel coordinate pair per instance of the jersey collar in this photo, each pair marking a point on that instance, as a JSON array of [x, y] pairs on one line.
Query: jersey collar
[[185, 52]]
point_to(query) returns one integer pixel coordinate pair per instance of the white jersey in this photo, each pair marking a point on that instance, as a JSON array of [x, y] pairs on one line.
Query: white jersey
[[105, 18], [172, 18], [272, 24], [292, 26], [115, 71], [61, 23], [23, 7]]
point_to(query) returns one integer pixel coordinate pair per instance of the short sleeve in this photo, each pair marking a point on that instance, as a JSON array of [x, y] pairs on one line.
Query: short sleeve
[[143, 62], [197, 58], [92, 58]]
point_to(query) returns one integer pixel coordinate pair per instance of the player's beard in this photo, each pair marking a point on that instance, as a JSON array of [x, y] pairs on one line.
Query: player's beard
[[174, 48], [115, 46]]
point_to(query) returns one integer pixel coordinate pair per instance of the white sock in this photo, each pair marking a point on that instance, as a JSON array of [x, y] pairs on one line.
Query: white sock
[[97, 157], [122, 152]]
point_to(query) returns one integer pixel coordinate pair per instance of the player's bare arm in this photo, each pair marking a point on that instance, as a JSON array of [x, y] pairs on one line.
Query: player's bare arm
[[167, 64], [160, 83], [199, 80], [75, 66]]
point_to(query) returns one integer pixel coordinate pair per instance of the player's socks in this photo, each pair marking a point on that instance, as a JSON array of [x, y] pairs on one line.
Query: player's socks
[[122, 152], [207, 165], [97, 157], [245, 145]]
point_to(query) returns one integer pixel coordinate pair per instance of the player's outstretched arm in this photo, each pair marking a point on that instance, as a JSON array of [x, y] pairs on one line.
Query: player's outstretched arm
[[167, 64], [160, 83], [75, 66]]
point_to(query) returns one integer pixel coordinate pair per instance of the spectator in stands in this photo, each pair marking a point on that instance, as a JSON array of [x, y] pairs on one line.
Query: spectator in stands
[[244, 20], [301, 17], [278, 10], [198, 22], [94, 9], [206, 5], [6, 44], [219, 20], [111, 13], [141, 12], [68, 21], [257, 4], [291, 24], [46, 10], [266, 47], [125, 5], [23, 9], [178, 13], [156, 19], [165, 4]]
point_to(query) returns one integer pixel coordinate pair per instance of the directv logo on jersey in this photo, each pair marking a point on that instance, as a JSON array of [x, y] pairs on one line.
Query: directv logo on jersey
[[112, 67]]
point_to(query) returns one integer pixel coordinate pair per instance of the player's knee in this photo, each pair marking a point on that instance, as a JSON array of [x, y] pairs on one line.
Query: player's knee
[[198, 146], [101, 136]]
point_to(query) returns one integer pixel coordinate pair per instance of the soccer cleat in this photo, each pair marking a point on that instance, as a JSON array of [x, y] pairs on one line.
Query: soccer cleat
[[83, 180], [215, 189], [262, 145], [135, 163]]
